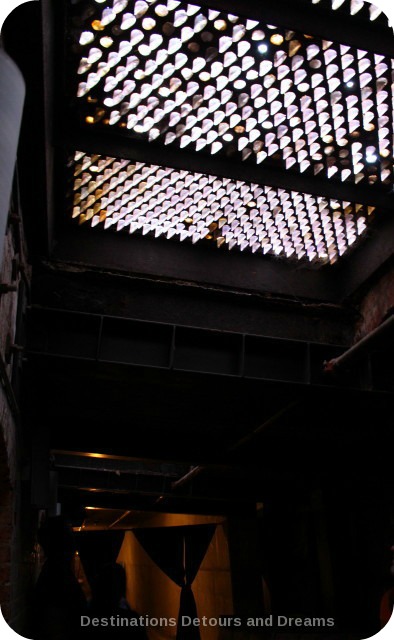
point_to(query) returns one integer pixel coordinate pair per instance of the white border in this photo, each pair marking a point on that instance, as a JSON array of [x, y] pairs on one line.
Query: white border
[[7, 7]]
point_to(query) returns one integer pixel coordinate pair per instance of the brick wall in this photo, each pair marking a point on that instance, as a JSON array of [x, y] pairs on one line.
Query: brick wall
[[15, 529], [5, 533], [376, 303], [8, 466]]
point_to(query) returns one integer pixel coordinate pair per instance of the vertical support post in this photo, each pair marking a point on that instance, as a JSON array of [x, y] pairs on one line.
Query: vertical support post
[[245, 565], [323, 552]]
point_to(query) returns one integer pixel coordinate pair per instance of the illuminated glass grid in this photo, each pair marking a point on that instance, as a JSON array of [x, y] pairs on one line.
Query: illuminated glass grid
[[131, 196], [354, 7], [212, 82]]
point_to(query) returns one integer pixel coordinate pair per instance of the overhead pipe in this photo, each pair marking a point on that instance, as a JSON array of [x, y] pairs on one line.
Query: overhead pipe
[[122, 517], [194, 471], [269, 422], [335, 364], [197, 470]]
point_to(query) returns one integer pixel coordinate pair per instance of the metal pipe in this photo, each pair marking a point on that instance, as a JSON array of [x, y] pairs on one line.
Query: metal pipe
[[122, 517], [194, 471], [357, 349], [270, 421]]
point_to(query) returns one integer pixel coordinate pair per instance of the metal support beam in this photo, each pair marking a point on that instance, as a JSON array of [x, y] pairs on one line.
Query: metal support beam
[[112, 144], [144, 486], [165, 259], [94, 338], [115, 482], [313, 19], [138, 474], [180, 504], [117, 464]]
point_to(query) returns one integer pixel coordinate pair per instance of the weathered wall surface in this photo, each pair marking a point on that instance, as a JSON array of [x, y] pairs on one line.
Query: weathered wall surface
[[376, 304], [15, 560]]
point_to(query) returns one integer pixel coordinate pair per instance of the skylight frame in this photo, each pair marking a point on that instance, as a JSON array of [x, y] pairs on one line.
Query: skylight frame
[[113, 143], [377, 175], [134, 197]]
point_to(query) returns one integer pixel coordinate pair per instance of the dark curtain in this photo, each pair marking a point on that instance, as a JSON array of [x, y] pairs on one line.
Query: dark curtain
[[179, 552], [98, 548]]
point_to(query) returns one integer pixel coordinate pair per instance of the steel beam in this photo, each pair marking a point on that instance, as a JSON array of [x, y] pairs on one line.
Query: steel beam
[[314, 20], [180, 261], [116, 464], [177, 504], [153, 345], [104, 142], [141, 484]]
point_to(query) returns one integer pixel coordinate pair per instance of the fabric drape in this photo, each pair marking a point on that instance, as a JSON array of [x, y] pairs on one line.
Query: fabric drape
[[179, 552]]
